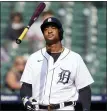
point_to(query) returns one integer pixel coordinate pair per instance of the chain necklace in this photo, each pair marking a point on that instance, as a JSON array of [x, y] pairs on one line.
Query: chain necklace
[[62, 49]]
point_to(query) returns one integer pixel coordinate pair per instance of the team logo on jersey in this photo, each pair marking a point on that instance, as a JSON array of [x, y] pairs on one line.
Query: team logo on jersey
[[49, 20], [64, 76]]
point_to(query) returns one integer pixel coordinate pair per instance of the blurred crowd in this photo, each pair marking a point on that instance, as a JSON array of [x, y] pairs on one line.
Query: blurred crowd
[[13, 30], [34, 38], [12, 78]]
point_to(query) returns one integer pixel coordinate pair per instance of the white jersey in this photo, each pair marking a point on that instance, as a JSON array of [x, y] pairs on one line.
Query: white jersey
[[57, 82]]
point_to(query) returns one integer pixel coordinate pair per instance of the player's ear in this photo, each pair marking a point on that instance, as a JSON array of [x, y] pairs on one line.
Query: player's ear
[[59, 31]]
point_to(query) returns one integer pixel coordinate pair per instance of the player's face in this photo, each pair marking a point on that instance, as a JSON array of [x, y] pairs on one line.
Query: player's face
[[51, 34]]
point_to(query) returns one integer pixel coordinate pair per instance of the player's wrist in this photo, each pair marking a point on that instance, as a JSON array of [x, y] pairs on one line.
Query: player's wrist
[[25, 99], [29, 103]]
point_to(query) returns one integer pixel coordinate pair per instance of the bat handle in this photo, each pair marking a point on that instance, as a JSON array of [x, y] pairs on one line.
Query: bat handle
[[19, 40]]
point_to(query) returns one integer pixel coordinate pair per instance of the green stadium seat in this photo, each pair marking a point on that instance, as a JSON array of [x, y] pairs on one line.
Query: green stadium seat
[[5, 15], [101, 28], [101, 51], [78, 5], [55, 6], [78, 28], [77, 49], [78, 42], [96, 90], [29, 6], [99, 75], [23, 48], [2, 41]]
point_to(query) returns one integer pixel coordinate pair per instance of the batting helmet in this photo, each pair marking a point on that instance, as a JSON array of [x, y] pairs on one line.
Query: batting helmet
[[56, 22]]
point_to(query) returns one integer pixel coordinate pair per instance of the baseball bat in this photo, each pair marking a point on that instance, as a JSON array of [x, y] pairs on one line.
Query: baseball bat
[[34, 17]]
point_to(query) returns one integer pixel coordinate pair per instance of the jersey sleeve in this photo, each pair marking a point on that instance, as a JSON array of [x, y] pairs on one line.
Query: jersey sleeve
[[27, 73], [83, 77]]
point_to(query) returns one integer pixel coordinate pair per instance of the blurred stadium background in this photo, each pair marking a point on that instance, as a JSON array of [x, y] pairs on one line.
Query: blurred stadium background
[[84, 24]]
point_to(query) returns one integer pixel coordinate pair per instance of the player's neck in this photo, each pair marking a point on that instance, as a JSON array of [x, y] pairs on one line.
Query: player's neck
[[55, 48]]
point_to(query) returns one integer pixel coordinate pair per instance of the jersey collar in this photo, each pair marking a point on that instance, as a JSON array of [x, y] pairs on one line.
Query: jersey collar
[[62, 56], [50, 60]]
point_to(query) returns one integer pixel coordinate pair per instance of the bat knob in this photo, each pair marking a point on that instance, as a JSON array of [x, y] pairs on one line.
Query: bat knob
[[18, 41]]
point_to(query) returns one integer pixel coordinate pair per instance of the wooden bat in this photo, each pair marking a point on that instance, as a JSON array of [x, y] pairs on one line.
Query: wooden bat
[[34, 17]]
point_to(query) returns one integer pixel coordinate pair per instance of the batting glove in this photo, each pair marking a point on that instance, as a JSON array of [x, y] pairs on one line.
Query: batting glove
[[29, 103]]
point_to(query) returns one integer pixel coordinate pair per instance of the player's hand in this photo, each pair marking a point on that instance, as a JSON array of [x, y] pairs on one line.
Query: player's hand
[[29, 103]]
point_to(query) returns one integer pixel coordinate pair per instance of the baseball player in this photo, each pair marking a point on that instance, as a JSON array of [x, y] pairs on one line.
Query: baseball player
[[55, 77]]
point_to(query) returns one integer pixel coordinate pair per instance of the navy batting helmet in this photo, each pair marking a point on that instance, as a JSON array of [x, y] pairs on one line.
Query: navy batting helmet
[[54, 21]]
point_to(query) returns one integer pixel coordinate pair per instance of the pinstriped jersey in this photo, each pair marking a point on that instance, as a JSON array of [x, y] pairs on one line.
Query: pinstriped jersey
[[56, 82]]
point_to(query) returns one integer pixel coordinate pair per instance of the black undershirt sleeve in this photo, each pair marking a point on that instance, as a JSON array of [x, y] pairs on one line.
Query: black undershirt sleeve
[[85, 98], [26, 90]]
